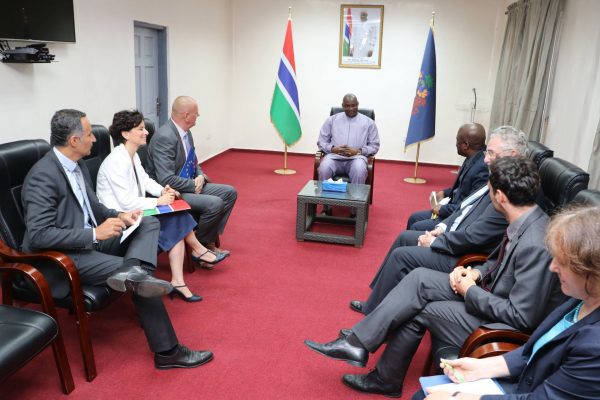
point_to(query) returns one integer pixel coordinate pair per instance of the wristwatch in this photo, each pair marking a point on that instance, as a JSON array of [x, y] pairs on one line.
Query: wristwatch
[[359, 152]]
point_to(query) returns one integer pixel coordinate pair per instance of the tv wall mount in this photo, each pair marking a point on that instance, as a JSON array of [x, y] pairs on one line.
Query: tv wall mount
[[33, 53]]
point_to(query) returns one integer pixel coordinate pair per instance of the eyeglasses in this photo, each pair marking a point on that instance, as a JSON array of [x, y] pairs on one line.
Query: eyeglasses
[[493, 155]]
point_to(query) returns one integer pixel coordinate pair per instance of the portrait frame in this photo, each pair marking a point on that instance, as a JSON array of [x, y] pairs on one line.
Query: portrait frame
[[361, 36]]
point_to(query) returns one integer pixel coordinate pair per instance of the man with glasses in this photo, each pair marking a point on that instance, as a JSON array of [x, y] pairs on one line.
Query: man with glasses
[[476, 227], [470, 143], [172, 161]]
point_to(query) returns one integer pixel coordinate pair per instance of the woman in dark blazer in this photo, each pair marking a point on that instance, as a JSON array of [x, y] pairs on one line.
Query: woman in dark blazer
[[561, 360]]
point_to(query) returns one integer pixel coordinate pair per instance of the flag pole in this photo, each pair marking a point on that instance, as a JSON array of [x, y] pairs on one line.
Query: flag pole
[[285, 170], [414, 178]]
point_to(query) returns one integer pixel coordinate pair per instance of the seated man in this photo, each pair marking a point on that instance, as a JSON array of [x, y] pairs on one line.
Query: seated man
[[172, 161], [63, 213], [470, 143], [513, 289], [476, 227], [347, 139]]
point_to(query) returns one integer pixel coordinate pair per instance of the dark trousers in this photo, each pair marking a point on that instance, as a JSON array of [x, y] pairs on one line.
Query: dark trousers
[[95, 266], [421, 221], [403, 257], [423, 300], [212, 208]]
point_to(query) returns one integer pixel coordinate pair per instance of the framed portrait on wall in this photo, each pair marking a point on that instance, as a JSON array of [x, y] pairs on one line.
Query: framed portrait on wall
[[361, 30]]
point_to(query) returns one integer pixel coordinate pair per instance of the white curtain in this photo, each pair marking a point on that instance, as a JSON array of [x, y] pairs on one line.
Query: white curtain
[[525, 64], [594, 166]]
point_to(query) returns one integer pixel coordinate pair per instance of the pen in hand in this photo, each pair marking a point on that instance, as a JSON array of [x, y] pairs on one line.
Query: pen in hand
[[458, 375]]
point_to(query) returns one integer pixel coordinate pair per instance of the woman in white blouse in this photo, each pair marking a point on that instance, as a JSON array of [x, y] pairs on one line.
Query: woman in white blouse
[[122, 184]]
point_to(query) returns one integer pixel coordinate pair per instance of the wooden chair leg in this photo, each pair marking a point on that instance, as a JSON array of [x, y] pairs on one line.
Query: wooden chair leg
[[62, 364], [85, 343]]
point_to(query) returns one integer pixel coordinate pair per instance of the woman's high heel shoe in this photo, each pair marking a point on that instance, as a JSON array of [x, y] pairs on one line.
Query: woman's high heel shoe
[[219, 257], [176, 292]]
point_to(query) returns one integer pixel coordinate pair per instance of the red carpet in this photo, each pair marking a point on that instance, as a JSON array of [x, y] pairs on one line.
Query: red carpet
[[259, 305]]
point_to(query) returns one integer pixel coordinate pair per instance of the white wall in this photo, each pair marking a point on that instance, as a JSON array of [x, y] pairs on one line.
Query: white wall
[[226, 53], [468, 38], [575, 101], [96, 74]]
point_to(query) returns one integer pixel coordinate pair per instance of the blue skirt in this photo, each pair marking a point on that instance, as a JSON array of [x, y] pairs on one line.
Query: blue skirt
[[173, 228]]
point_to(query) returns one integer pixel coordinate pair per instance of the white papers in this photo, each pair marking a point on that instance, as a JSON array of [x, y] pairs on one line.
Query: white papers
[[339, 181], [125, 234], [434, 202], [481, 386]]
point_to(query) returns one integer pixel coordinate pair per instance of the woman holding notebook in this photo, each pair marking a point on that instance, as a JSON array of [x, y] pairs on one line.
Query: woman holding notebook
[[123, 185], [561, 360]]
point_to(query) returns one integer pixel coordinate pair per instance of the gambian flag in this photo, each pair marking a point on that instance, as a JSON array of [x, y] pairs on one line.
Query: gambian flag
[[285, 108], [347, 34], [177, 205]]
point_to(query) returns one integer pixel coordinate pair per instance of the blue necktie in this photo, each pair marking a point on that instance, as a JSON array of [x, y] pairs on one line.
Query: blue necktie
[[84, 197], [188, 144]]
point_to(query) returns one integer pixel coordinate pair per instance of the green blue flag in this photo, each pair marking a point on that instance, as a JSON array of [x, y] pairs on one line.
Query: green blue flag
[[285, 107]]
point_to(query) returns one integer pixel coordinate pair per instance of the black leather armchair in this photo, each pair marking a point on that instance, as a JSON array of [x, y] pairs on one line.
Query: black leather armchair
[[25, 332], [538, 152], [587, 197], [16, 159], [100, 150], [561, 181], [370, 160]]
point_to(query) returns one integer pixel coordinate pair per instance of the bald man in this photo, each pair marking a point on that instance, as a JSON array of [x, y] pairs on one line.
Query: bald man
[[347, 139], [470, 143], [167, 153]]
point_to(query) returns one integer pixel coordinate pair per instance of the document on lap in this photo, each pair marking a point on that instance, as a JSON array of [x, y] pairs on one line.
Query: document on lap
[[177, 205], [442, 383], [125, 234]]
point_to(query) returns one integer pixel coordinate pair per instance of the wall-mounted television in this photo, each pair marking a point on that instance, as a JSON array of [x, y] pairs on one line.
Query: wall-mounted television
[[37, 20]]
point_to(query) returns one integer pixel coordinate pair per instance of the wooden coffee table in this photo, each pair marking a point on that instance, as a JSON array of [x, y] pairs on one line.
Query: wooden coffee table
[[311, 195]]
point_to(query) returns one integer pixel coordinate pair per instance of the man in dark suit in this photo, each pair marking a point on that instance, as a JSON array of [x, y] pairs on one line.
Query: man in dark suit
[[63, 213], [167, 154], [476, 227], [513, 289], [470, 143]]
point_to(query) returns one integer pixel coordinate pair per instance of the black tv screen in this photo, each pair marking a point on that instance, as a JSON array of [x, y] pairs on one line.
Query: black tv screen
[[37, 20]]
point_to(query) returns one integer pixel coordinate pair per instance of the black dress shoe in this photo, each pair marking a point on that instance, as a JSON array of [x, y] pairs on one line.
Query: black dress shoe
[[372, 383], [345, 332], [148, 286], [357, 305], [138, 281], [340, 349], [117, 280], [182, 358]]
